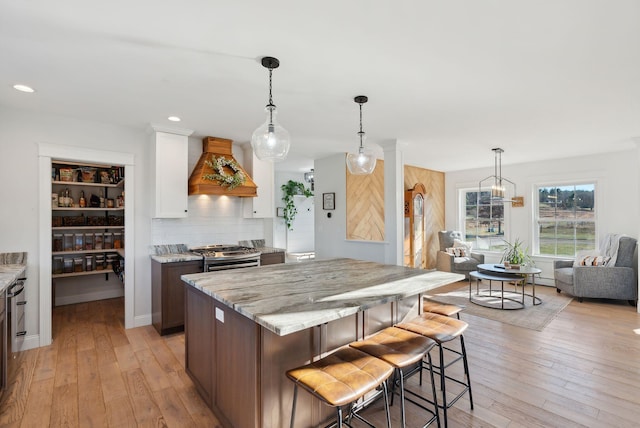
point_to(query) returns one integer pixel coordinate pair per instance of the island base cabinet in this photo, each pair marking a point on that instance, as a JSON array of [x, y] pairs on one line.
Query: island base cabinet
[[199, 339], [239, 367], [221, 357]]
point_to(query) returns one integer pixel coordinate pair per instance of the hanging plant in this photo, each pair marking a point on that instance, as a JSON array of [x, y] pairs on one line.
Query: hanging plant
[[225, 180], [291, 189]]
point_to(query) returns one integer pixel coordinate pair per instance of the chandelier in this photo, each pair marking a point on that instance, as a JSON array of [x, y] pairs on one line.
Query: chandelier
[[498, 190]]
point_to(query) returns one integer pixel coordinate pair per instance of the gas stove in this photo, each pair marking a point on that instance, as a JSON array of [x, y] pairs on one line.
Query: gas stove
[[221, 256]]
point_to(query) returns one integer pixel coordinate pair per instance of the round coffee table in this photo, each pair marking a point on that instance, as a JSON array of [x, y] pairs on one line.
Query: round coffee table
[[497, 272]]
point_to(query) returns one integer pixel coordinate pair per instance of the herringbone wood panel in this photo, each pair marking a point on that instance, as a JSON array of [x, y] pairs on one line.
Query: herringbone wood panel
[[365, 205]]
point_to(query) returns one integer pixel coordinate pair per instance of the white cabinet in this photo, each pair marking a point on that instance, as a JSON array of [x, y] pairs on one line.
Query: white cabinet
[[170, 171], [262, 206]]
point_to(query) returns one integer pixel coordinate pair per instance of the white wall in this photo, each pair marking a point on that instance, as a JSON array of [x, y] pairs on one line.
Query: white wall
[[20, 133], [616, 175], [331, 232], [301, 237]]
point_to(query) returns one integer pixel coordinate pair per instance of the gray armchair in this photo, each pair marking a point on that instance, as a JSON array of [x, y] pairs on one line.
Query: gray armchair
[[447, 263], [602, 282]]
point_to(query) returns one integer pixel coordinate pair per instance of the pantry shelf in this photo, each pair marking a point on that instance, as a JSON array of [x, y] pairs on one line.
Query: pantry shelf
[[92, 272]]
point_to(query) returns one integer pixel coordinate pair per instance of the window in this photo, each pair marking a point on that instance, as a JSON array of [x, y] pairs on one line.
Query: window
[[483, 220], [566, 219]]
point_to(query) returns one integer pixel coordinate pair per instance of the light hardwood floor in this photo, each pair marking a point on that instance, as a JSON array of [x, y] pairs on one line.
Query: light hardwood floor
[[582, 370], [97, 374]]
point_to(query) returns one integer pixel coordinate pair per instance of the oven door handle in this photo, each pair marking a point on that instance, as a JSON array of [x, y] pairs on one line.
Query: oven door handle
[[12, 292]]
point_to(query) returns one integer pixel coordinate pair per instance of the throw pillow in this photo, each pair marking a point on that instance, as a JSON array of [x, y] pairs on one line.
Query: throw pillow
[[467, 245], [457, 251], [592, 260]]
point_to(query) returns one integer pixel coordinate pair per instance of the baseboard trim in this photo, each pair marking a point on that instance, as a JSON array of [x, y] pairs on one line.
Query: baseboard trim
[[89, 297], [141, 320], [28, 342]]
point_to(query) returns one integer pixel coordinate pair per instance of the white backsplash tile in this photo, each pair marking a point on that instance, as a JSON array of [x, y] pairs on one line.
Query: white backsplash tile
[[211, 220]]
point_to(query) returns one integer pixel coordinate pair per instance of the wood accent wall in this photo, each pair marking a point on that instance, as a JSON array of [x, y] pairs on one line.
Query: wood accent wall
[[365, 205]]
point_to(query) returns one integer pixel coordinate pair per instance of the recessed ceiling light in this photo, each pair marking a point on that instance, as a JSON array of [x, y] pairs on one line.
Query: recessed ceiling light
[[23, 88], [174, 118]]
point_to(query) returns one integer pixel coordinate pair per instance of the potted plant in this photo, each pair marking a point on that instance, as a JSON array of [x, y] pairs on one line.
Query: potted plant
[[291, 189], [515, 255]]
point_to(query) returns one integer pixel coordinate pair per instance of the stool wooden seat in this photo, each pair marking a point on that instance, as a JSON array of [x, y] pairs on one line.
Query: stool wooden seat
[[342, 378], [444, 329], [441, 308], [402, 349]]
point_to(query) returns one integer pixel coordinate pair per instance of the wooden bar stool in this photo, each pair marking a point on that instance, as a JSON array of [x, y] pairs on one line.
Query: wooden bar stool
[[444, 329], [342, 378], [402, 349], [439, 308]]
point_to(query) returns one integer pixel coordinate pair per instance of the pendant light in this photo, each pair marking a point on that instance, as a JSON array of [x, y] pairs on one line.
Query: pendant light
[[498, 190], [363, 162], [270, 141]]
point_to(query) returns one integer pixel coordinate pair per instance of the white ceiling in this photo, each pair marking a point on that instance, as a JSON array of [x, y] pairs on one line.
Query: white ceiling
[[451, 79]]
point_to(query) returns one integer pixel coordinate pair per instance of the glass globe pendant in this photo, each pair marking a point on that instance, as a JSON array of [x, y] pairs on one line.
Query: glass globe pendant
[[363, 162], [271, 142]]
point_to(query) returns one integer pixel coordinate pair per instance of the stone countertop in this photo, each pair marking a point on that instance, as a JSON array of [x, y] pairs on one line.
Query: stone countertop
[[9, 273], [172, 253], [175, 258], [285, 298]]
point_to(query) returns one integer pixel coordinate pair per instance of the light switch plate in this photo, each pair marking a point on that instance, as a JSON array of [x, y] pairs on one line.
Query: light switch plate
[[219, 314]]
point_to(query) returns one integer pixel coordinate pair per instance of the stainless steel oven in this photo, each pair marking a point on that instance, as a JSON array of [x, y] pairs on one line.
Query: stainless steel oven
[[222, 257]]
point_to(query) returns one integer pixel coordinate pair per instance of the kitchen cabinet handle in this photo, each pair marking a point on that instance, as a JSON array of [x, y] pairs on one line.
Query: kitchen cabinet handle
[[19, 285]]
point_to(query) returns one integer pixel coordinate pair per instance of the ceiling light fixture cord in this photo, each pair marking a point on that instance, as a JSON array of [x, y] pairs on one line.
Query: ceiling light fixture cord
[[270, 105], [361, 133], [495, 168]]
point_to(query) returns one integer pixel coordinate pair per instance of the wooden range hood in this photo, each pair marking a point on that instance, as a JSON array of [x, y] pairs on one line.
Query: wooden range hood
[[201, 186]]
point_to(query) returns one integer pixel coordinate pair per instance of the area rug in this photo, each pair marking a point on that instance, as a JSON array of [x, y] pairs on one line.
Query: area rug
[[531, 317]]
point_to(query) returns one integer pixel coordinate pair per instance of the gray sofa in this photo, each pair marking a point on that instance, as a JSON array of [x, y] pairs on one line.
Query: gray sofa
[[618, 282], [447, 263]]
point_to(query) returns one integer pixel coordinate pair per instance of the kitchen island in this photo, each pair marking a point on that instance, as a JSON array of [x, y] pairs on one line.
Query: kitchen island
[[244, 328]]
